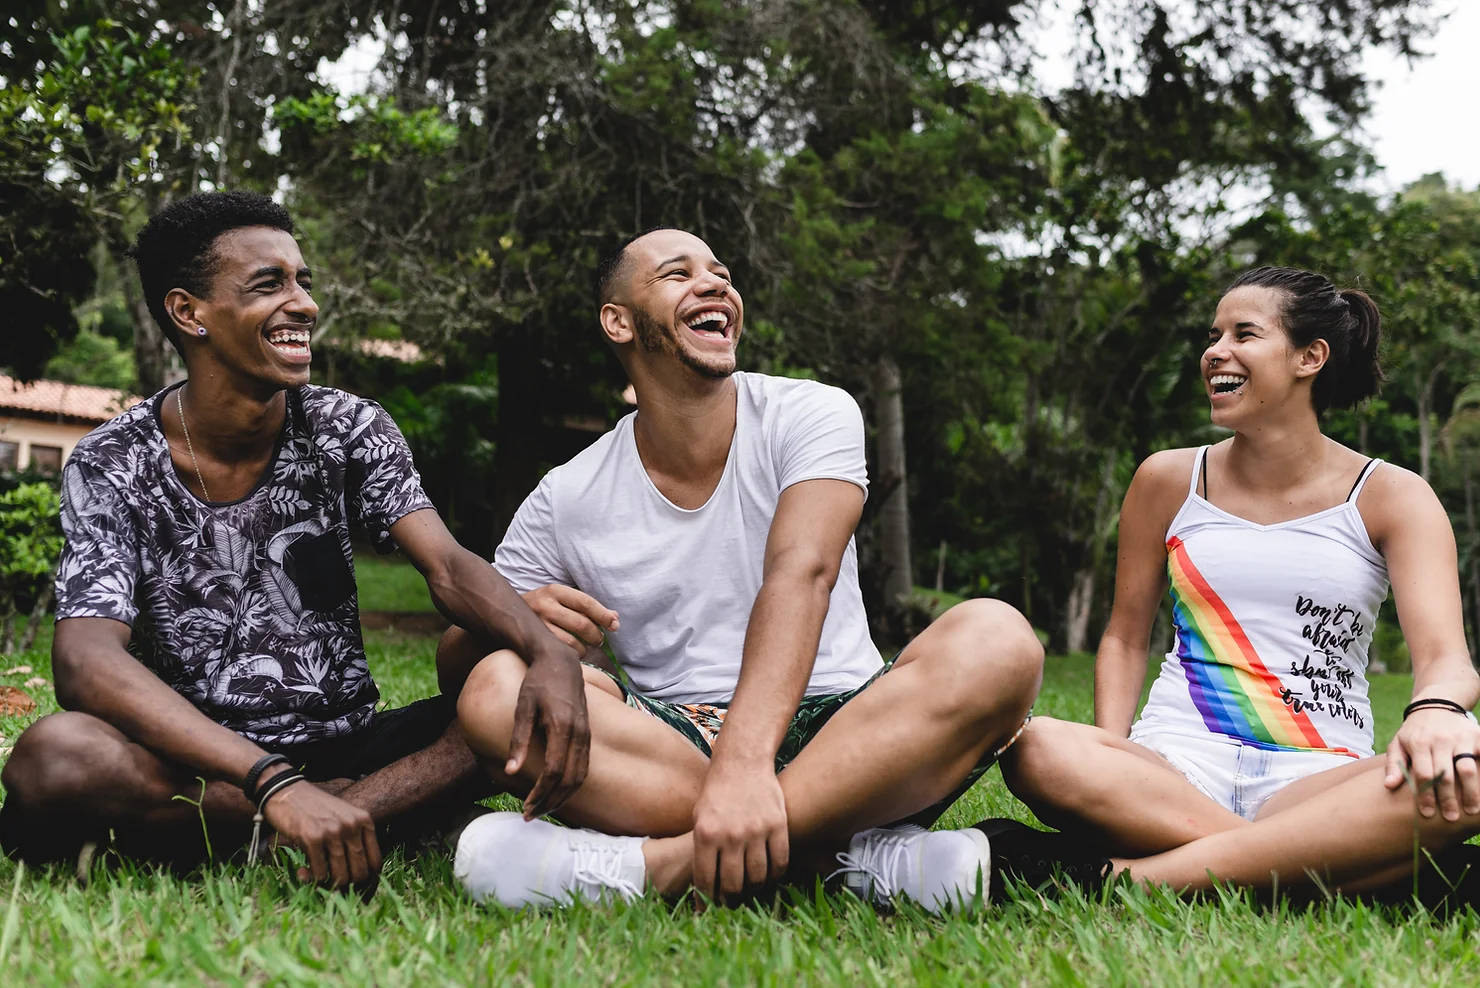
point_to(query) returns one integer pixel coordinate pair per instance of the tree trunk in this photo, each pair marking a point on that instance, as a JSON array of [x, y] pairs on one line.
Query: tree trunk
[[1081, 599], [38, 612], [894, 515], [516, 456], [155, 358], [940, 568], [1425, 437], [7, 630], [1474, 559], [1082, 589], [151, 348]]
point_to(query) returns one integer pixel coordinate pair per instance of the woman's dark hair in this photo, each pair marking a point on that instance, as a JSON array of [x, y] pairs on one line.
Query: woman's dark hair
[[1312, 309], [177, 247]]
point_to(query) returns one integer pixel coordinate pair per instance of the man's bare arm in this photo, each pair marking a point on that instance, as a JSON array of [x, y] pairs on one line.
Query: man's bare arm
[[95, 674], [740, 834], [475, 596], [804, 551]]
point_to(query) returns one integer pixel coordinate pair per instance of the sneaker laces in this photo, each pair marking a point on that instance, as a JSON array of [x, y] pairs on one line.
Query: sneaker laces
[[599, 866], [878, 859]]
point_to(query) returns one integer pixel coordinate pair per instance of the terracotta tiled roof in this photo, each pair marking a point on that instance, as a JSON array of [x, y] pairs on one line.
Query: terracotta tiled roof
[[402, 350], [78, 402]]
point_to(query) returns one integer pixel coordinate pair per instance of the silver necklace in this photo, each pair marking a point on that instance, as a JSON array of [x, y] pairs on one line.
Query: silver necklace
[[180, 407]]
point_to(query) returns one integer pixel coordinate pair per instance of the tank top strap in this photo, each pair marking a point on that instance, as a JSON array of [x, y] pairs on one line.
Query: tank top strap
[[1367, 472], [1199, 464]]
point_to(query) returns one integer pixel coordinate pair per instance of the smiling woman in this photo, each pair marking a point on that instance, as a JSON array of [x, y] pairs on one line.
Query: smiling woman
[[1306, 334], [1278, 546]]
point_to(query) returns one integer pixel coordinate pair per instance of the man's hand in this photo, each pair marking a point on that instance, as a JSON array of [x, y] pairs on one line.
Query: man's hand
[[338, 838], [577, 619], [740, 833], [1427, 743], [554, 697]]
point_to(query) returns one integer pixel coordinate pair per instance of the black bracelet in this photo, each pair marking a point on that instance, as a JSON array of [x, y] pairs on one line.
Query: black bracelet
[[249, 784], [276, 785], [1435, 702]]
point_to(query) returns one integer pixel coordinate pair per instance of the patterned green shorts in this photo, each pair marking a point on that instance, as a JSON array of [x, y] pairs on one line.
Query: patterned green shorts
[[701, 723]]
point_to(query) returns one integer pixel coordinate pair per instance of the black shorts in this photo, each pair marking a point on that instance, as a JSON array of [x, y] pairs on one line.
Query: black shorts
[[390, 736]]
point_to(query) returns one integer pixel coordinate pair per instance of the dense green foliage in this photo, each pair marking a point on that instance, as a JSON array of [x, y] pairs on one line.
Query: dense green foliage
[[30, 542], [897, 196]]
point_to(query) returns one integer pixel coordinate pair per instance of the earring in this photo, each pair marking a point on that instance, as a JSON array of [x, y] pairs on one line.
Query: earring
[[200, 331]]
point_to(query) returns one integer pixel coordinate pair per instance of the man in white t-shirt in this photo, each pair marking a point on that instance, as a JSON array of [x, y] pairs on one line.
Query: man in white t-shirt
[[709, 539]]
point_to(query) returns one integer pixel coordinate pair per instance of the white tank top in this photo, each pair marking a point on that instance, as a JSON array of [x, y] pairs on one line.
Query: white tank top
[[1272, 623]]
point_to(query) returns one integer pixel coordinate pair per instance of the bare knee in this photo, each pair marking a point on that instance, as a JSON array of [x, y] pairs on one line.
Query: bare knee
[[988, 658], [485, 707], [58, 758], [458, 652], [1041, 762]]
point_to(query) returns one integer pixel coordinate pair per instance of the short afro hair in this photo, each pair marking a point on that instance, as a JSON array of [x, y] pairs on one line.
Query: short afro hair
[[177, 247], [610, 270]]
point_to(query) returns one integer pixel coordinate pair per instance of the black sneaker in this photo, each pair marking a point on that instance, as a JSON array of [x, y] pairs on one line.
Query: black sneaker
[[1447, 880], [1040, 858]]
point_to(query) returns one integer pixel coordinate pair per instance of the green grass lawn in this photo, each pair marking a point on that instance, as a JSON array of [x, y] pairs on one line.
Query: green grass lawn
[[390, 583], [232, 926]]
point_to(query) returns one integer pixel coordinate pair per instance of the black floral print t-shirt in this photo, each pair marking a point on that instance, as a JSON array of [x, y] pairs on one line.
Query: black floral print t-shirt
[[246, 608]]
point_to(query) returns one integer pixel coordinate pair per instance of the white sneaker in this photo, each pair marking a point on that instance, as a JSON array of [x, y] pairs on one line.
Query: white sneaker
[[937, 869], [515, 862]]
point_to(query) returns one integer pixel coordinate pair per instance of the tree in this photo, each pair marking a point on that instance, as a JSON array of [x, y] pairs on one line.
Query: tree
[[84, 139]]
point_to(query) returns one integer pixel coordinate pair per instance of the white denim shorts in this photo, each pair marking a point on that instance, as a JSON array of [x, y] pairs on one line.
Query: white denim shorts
[[1238, 777]]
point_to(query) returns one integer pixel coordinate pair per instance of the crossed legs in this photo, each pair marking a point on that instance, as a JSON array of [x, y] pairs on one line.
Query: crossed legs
[[958, 692], [74, 778], [1342, 827]]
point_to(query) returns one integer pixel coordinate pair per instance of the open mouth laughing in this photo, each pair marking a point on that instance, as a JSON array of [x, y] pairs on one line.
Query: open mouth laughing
[[1224, 384], [711, 323], [290, 341]]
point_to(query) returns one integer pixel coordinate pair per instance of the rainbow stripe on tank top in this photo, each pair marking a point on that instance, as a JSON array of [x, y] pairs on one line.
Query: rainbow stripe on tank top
[[1231, 687]]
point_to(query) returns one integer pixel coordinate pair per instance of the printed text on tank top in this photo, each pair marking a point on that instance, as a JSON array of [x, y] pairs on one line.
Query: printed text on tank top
[[1272, 627]]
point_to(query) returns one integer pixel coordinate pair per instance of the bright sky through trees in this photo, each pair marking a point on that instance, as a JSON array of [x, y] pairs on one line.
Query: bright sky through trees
[[1424, 115], [1422, 121]]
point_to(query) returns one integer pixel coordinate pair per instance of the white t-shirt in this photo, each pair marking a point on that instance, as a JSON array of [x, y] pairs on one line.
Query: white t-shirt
[[683, 581]]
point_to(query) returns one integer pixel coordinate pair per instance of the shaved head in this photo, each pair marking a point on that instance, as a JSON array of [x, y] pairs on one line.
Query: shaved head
[[614, 269]]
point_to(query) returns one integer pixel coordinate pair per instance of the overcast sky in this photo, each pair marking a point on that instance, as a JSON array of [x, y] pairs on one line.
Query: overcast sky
[[1427, 116]]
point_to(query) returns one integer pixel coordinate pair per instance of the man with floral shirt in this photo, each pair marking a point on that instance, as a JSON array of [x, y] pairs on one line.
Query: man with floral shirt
[[207, 620]]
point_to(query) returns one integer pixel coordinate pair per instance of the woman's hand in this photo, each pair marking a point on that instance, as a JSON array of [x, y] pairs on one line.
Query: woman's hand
[[1428, 744]]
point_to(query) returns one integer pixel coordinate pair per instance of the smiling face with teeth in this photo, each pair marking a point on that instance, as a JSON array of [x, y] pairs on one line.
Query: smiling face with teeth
[[673, 300], [258, 316], [1250, 366]]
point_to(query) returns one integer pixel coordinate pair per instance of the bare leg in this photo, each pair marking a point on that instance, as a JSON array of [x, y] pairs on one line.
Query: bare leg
[[1079, 778], [434, 782], [74, 778], [957, 693], [644, 777], [1301, 790], [1314, 836], [458, 652]]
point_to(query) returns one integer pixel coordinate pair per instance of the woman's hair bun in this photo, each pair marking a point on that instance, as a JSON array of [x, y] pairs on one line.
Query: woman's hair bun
[[1349, 321]]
